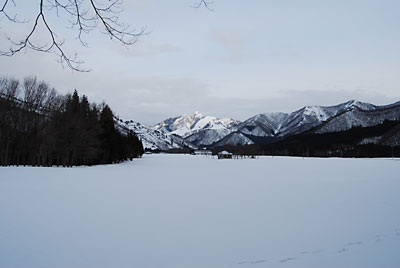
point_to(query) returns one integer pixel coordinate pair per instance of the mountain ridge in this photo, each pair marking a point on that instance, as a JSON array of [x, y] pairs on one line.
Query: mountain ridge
[[198, 131]]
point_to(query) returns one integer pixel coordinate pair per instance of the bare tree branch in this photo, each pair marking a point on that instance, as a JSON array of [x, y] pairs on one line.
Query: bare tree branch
[[5, 13], [82, 15], [203, 3], [113, 27]]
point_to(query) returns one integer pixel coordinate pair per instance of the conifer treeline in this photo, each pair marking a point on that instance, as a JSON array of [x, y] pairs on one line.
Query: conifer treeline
[[40, 127]]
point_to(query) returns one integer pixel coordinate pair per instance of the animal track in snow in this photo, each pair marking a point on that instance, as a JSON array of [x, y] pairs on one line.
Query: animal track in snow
[[257, 262], [354, 243], [379, 238], [397, 232], [287, 259], [252, 262], [345, 249]]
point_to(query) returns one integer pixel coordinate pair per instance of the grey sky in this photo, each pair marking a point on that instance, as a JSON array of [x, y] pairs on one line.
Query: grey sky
[[244, 58]]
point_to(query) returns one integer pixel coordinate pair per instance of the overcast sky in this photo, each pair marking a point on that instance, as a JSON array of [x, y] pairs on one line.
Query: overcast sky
[[243, 58]]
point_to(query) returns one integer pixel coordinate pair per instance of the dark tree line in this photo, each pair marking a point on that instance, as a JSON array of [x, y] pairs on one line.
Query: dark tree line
[[42, 128]]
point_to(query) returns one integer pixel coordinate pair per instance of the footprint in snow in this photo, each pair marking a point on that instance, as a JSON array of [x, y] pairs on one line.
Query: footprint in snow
[[311, 252], [286, 260], [379, 238], [257, 262], [251, 262], [354, 243]]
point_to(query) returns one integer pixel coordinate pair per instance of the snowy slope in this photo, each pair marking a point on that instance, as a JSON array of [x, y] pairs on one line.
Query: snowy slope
[[311, 116], [155, 139], [189, 124], [235, 139], [207, 137], [356, 116], [262, 124], [333, 118]]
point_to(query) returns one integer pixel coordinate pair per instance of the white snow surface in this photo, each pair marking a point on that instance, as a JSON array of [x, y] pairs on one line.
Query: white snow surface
[[181, 211]]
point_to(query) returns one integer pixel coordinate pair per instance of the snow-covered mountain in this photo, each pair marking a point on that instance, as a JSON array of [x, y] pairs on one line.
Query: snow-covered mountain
[[206, 137], [235, 139], [328, 118], [360, 116], [154, 139], [312, 116], [195, 130], [282, 124], [189, 124]]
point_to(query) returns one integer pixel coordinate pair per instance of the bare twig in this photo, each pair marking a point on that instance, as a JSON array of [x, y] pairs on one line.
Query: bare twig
[[203, 3], [5, 13], [82, 15], [55, 46]]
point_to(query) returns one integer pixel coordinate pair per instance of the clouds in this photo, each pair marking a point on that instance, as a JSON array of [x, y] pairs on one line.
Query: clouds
[[150, 99], [156, 98], [243, 59], [147, 48], [232, 43]]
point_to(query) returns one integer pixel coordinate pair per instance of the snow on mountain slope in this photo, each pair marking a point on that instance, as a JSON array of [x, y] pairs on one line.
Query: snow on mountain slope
[[179, 125], [358, 117], [235, 139], [196, 130], [306, 118], [343, 117], [262, 124], [281, 124], [361, 105], [189, 124], [312, 116], [207, 137], [155, 139]]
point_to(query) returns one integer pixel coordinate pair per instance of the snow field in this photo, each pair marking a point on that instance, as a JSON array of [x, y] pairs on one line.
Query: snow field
[[193, 211]]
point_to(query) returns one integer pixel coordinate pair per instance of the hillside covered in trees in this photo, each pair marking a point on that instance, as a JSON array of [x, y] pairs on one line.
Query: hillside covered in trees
[[355, 142], [40, 127]]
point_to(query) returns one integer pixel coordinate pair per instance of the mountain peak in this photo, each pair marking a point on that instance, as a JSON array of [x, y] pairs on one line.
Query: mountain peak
[[187, 124], [359, 104]]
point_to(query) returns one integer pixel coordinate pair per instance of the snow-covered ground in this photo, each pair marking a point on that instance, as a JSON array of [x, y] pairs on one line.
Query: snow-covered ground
[[176, 211]]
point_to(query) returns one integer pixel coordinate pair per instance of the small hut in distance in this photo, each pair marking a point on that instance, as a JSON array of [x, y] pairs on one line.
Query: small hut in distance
[[225, 155]]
